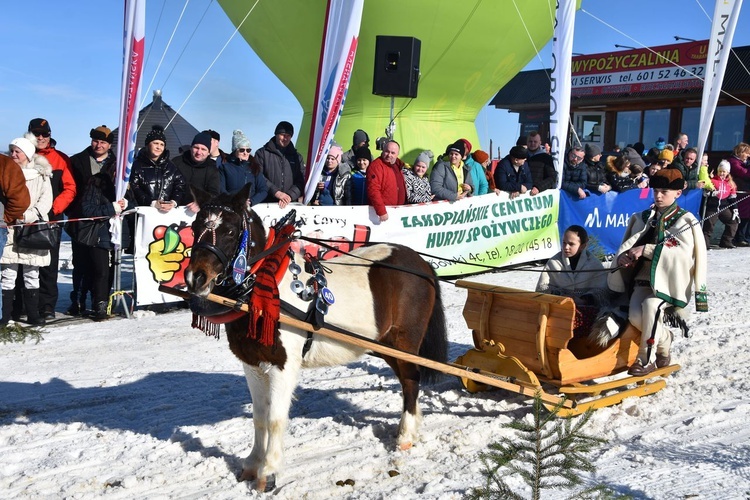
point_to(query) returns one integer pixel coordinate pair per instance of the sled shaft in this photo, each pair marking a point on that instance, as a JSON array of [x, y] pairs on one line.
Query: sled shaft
[[359, 341]]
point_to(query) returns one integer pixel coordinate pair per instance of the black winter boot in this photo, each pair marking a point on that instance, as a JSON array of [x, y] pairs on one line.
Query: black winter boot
[[75, 307], [82, 303], [100, 311], [31, 300], [7, 306]]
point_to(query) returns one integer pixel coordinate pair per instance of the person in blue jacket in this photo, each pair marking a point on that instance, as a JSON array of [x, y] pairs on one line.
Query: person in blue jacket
[[513, 174], [239, 168], [477, 171]]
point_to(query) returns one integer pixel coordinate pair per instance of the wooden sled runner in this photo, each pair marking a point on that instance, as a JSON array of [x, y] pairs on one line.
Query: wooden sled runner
[[528, 337]]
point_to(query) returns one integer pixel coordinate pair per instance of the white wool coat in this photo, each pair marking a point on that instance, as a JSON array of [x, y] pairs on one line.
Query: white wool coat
[[678, 266], [589, 275], [38, 173]]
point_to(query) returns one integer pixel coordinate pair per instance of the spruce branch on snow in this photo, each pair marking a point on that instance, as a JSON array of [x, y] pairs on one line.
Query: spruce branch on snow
[[549, 453], [14, 332]]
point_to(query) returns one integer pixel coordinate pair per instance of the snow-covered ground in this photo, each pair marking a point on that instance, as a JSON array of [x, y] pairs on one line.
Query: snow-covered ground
[[149, 408]]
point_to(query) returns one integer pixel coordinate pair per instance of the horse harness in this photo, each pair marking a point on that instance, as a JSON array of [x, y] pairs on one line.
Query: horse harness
[[242, 271]]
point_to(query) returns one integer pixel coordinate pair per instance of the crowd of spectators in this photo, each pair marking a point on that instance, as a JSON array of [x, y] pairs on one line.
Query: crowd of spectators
[[82, 186]]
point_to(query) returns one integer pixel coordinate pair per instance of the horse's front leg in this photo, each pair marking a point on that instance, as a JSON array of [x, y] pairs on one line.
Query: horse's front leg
[[282, 383], [258, 383], [272, 389]]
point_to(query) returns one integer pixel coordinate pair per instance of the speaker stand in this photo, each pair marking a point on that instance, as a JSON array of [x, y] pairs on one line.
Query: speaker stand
[[391, 124]]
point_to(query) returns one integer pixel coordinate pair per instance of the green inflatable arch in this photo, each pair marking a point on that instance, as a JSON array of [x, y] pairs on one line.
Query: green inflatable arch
[[470, 49]]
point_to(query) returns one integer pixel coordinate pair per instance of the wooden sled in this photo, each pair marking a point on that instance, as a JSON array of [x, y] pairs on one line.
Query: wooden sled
[[528, 338]]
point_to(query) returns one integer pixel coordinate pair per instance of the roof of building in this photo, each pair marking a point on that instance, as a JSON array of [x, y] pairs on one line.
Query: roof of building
[[179, 132], [531, 89]]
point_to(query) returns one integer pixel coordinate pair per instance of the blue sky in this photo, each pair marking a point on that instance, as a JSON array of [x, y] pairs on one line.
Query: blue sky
[[64, 62]]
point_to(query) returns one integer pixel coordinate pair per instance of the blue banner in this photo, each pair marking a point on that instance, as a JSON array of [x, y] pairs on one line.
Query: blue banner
[[606, 216]]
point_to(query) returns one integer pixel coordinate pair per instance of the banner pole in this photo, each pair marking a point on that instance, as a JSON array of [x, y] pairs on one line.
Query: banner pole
[[117, 284]]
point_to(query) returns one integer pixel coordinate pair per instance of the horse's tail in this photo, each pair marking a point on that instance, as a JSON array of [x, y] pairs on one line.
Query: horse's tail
[[435, 343]]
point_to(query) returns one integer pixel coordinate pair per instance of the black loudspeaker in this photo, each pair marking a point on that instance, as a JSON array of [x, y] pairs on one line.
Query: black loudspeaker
[[396, 66]]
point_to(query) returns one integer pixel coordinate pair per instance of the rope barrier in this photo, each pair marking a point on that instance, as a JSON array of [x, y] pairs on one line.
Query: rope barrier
[[67, 221]]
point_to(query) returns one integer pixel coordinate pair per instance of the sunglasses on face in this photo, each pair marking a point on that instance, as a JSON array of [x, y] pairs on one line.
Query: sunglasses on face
[[243, 150], [41, 134]]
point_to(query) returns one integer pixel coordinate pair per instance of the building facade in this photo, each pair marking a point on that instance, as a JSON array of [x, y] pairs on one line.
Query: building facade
[[620, 98]]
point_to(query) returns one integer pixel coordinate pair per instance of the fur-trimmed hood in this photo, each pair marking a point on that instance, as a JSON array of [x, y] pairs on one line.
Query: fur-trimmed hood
[[38, 166]]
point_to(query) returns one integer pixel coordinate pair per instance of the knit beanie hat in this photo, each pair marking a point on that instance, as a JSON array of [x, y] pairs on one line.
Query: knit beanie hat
[[360, 136], [592, 150], [102, 133], [284, 128], [24, 145], [634, 158], [724, 166], [336, 152], [458, 147], [467, 146], [202, 138], [214, 134], [666, 154], [667, 178], [363, 152], [519, 152], [480, 156], [156, 134], [425, 156], [239, 140]]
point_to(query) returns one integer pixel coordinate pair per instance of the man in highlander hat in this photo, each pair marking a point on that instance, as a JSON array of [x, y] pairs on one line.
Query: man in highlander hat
[[662, 260]]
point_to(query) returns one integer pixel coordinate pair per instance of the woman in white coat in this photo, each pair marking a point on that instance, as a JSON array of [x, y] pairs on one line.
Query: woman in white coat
[[575, 273], [38, 172]]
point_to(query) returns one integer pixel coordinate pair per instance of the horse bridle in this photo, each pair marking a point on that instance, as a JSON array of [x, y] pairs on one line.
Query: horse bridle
[[210, 228]]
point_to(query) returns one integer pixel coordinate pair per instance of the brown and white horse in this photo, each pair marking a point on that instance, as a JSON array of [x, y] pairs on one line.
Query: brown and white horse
[[374, 297]]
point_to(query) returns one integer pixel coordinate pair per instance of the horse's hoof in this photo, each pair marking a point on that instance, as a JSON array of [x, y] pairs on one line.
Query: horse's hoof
[[266, 484], [405, 446], [248, 475]]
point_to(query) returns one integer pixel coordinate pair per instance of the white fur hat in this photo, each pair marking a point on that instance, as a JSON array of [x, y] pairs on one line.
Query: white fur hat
[[24, 145], [239, 140]]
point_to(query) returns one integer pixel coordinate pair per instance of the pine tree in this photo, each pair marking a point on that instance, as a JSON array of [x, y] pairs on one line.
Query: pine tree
[[548, 453], [14, 332]]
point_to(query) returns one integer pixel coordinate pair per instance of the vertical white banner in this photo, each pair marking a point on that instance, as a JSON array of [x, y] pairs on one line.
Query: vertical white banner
[[132, 68], [726, 14], [338, 48], [560, 83]]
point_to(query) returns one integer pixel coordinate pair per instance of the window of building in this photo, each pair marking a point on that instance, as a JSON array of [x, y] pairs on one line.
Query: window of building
[[729, 125], [627, 128], [655, 125], [689, 125]]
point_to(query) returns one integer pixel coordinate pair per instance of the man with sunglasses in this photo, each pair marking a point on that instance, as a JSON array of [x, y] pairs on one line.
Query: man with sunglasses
[[63, 193]]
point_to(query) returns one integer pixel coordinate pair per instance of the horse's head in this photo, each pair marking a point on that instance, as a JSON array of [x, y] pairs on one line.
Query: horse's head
[[218, 230]]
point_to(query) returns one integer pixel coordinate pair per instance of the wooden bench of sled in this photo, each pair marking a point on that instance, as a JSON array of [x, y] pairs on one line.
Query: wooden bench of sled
[[528, 337]]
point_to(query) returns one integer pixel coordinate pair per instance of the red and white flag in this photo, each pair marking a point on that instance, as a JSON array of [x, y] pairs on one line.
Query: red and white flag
[[132, 69], [339, 46]]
